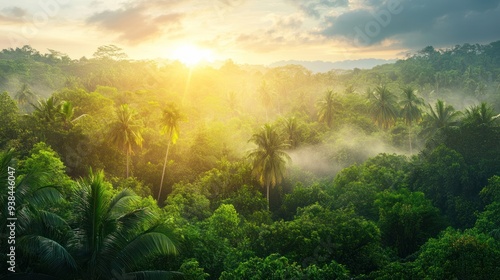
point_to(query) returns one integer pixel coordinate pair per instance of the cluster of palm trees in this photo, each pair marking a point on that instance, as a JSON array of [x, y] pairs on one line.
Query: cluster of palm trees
[[51, 110], [385, 109], [269, 158], [125, 132], [385, 112]]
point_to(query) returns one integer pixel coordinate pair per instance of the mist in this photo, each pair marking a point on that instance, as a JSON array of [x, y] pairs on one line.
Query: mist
[[345, 147]]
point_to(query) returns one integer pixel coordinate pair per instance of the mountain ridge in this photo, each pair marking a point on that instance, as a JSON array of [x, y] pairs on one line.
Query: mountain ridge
[[318, 66]]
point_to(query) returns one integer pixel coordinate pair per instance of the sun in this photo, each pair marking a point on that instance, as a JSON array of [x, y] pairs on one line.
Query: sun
[[191, 55]]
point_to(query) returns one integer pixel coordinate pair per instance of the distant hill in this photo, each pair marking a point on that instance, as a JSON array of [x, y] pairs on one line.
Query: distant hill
[[325, 66]]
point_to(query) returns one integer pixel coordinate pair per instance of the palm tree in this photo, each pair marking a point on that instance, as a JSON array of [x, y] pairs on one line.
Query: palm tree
[[37, 229], [480, 115], [269, 158], [125, 131], [410, 109], [266, 97], [171, 119], [326, 108], [291, 129], [24, 95], [112, 236], [441, 117], [46, 109], [383, 107], [66, 113]]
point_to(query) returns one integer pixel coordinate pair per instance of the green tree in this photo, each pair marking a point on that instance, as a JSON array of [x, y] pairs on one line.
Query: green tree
[[37, 227], [318, 235], [269, 158], [191, 270], [10, 119], [113, 236], [171, 119], [459, 255], [406, 219], [326, 108], [291, 128], [276, 267], [47, 109], [383, 107], [410, 110], [66, 113], [445, 178], [125, 131], [480, 115], [225, 223], [188, 202], [439, 118], [266, 97], [25, 95]]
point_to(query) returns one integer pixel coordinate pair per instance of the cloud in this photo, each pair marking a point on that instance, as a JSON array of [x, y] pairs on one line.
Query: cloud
[[12, 15], [315, 8], [283, 32], [411, 23], [138, 22], [292, 21]]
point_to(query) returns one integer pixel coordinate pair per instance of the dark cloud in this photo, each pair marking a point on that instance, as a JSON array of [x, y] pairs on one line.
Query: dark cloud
[[315, 7], [12, 14], [135, 23], [414, 24]]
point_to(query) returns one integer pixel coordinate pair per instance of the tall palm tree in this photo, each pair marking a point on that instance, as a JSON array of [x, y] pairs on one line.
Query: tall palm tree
[[269, 158], [291, 129], [410, 110], [266, 96], [440, 117], [24, 95], [326, 108], [112, 236], [171, 119], [480, 115], [383, 107], [125, 131]]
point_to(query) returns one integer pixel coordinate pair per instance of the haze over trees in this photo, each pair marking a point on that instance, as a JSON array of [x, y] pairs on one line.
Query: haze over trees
[[276, 173]]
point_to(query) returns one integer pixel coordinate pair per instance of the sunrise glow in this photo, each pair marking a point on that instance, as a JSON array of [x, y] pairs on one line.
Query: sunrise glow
[[191, 55]]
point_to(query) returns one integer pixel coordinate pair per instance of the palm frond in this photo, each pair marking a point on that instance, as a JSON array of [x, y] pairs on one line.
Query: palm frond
[[122, 202], [45, 195], [51, 254], [143, 246]]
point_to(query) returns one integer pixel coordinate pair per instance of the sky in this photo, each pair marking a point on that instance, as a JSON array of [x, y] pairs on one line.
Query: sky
[[249, 31]]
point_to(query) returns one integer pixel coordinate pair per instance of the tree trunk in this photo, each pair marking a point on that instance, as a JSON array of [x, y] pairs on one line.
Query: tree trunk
[[409, 138], [128, 156], [164, 166], [267, 195]]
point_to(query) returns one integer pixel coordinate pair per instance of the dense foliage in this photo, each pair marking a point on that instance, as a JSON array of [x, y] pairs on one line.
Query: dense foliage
[[152, 170]]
